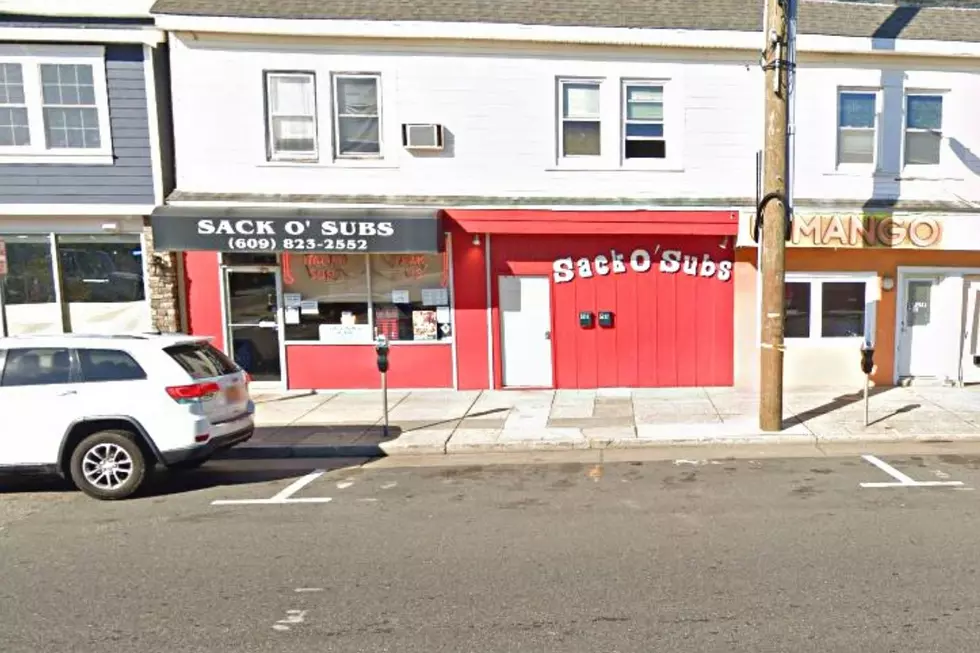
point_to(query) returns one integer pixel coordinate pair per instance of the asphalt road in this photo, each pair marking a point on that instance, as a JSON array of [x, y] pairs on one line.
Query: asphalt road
[[751, 555]]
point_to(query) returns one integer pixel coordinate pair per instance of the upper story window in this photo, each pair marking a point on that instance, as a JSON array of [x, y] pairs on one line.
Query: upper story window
[[54, 105], [643, 121], [357, 115], [291, 116], [923, 129], [14, 128], [857, 120], [581, 123]]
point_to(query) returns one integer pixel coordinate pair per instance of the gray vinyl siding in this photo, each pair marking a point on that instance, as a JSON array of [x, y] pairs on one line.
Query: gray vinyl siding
[[129, 180]]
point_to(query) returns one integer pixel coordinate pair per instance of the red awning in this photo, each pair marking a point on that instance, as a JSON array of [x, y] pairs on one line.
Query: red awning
[[543, 221]]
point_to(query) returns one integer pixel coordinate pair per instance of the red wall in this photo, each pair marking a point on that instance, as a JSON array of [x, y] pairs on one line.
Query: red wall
[[336, 367], [203, 295], [470, 289], [670, 329]]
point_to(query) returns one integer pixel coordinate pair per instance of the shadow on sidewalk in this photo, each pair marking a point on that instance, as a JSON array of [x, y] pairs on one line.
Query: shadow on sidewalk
[[850, 399]]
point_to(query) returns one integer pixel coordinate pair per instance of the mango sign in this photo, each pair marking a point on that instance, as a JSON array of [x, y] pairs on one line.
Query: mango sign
[[866, 231]]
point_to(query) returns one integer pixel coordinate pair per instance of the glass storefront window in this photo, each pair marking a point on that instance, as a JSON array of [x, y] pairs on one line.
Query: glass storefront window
[[797, 310], [30, 301], [410, 296], [325, 297], [102, 282], [843, 309]]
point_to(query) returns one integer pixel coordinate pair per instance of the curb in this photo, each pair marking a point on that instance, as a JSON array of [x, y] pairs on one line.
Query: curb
[[385, 449]]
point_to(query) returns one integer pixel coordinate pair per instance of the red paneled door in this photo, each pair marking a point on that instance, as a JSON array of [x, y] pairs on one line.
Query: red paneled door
[[671, 300]]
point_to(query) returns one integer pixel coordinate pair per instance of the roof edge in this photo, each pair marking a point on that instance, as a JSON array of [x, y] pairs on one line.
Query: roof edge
[[428, 30], [79, 9], [513, 32]]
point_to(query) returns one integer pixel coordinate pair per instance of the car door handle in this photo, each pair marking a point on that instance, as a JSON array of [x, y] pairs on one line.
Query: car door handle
[[67, 392]]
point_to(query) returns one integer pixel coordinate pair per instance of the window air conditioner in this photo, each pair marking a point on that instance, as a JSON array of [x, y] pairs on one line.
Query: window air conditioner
[[422, 137]]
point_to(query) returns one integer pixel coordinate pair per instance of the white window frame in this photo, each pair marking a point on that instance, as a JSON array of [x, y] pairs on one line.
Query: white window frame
[[838, 129], [624, 120], [335, 110], [271, 153], [872, 295], [30, 58], [905, 129], [562, 81]]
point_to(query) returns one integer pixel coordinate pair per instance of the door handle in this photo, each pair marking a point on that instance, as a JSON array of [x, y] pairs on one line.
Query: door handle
[[67, 392], [547, 335], [267, 324]]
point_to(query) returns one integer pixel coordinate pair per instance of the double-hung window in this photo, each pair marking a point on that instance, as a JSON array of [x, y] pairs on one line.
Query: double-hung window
[[579, 118], [857, 120], [15, 130], [54, 105], [923, 129], [830, 306], [291, 116], [357, 115], [643, 121]]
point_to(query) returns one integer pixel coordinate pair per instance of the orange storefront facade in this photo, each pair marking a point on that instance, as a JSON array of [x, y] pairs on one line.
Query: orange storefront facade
[[907, 283]]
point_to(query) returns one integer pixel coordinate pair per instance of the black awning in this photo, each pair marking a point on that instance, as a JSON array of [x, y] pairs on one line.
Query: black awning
[[261, 229]]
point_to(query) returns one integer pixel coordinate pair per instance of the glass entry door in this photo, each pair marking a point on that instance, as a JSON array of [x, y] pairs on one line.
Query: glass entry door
[[253, 332]]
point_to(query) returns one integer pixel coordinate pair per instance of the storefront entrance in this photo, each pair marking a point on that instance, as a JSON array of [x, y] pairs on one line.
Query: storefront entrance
[[920, 330], [252, 308], [937, 322], [525, 330]]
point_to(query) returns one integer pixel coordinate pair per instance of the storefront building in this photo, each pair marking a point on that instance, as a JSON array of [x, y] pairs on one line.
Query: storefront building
[[83, 162], [905, 282], [469, 299]]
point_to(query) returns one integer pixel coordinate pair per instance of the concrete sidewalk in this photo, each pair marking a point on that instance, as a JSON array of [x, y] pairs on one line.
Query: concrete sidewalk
[[438, 422]]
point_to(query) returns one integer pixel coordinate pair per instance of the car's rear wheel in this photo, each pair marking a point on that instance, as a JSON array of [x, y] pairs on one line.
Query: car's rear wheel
[[108, 465]]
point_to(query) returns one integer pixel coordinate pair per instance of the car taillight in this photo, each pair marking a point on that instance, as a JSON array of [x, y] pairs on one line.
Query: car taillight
[[194, 392], [202, 438]]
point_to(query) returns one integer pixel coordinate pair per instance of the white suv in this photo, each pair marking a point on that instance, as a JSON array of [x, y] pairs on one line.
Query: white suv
[[103, 410]]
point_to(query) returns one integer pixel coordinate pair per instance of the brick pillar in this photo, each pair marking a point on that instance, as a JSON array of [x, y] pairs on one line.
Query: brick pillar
[[164, 284]]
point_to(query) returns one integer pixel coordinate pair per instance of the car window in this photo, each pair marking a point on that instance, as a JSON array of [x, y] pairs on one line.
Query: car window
[[202, 360], [37, 366], [108, 365]]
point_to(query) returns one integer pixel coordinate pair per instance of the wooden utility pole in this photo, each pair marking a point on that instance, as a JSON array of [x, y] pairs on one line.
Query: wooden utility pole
[[775, 205]]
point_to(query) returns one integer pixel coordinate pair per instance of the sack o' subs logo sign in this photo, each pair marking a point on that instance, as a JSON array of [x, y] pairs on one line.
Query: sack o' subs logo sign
[[671, 261]]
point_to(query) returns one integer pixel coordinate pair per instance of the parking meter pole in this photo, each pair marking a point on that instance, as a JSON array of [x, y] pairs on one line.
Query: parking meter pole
[[867, 366], [867, 382], [384, 400]]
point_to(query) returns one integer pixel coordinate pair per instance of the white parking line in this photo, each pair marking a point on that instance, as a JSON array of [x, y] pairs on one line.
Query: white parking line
[[904, 480], [283, 496]]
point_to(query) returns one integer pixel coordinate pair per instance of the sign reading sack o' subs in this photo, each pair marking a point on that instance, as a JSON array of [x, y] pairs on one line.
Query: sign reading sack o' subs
[[186, 228], [670, 261]]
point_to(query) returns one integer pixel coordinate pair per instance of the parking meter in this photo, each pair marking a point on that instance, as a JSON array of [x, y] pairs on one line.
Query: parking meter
[[381, 347], [867, 358]]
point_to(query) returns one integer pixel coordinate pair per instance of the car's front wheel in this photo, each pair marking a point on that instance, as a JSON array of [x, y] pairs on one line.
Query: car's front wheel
[[108, 465]]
